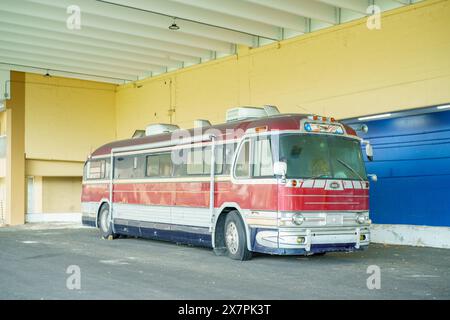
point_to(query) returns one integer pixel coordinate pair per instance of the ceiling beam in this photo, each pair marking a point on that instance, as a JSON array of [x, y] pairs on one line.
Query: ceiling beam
[[113, 63], [32, 35], [100, 35], [37, 64], [146, 18], [388, 4], [405, 2], [64, 74], [359, 6], [101, 53], [251, 11], [113, 26], [45, 59], [204, 16], [304, 8]]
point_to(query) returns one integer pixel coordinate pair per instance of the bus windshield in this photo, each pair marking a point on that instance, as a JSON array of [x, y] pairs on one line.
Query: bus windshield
[[322, 156]]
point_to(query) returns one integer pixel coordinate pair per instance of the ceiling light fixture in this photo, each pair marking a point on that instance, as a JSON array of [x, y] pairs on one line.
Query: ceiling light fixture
[[174, 25], [378, 116]]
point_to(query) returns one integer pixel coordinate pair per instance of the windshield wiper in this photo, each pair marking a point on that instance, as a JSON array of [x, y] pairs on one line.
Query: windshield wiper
[[322, 175], [350, 168]]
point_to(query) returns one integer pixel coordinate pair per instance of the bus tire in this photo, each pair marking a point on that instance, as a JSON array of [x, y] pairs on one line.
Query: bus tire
[[235, 237], [104, 224]]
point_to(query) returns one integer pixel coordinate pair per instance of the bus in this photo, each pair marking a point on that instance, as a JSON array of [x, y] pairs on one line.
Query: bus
[[266, 182]]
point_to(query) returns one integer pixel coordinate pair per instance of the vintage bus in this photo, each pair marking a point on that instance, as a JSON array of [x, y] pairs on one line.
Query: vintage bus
[[285, 184]]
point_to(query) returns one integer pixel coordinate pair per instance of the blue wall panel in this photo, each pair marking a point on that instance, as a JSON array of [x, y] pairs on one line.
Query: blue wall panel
[[412, 162]]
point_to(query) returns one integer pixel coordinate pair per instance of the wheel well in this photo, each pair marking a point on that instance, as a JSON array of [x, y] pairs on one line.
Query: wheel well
[[100, 209], [219, 230]]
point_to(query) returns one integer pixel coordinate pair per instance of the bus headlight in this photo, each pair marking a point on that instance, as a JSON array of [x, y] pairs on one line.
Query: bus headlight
[[360, 218], [298, 218]]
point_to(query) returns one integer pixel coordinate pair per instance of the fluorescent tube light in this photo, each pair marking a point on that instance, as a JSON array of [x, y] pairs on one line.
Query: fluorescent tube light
[[378, 116]]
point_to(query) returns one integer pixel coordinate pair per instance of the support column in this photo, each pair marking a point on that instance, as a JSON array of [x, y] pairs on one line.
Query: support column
[[15, 151]]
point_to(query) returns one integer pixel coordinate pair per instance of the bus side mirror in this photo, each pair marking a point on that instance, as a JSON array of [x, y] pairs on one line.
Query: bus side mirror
[[369, 152], [280, 169]]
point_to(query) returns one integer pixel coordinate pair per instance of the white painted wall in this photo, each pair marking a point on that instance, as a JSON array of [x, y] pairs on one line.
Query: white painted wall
[[421, 236], [53, 217]]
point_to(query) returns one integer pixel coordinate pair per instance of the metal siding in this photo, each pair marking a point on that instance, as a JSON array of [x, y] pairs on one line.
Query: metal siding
[[412, 162]]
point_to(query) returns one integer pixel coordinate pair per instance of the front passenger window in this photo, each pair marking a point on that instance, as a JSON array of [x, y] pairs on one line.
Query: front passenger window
[[242, 168]]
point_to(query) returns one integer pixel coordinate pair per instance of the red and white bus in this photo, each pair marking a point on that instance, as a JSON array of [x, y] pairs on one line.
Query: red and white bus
[[286, 184]]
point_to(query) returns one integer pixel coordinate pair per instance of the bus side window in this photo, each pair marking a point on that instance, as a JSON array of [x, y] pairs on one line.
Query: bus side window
[[195, 161], [218, 160], [152, 166], [229, 150], [165, 165], [179, 162], [242, 168], [85, 170], [96, 169], [263, 162], [123, 167], [159, 165]]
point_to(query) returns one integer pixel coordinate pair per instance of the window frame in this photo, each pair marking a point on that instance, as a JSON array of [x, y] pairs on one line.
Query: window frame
[[158, 154], [236, 156], [329, 155], [253, 154], [204, 164], [102, 172]]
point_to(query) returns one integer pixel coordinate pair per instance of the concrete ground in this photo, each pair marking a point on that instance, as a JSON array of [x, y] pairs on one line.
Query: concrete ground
[[34, 260]]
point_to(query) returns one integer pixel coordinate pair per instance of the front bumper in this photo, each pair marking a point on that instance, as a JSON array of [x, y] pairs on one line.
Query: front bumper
[[310, 240]]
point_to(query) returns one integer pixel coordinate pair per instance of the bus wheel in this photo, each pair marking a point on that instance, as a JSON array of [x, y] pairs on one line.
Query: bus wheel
[[235, 239], [104, 223]]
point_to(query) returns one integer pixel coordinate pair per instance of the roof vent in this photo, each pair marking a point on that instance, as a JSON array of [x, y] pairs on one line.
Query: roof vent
[[138, 134], [200, 123], [271, 110], [159, 128], [244, 113]]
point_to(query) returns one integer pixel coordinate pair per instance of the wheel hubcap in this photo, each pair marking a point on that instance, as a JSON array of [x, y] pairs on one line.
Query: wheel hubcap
[[104, 221], [232, 238]]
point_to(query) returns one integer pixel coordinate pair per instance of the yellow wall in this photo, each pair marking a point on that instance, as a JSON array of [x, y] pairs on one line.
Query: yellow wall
[[3, 143], [344, 71], [65, 118], [2, 123], [61, 194], [54, 168], [2, 201]]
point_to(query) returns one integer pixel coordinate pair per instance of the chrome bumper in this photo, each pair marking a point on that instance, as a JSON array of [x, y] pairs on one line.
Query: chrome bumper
[[305, 238]]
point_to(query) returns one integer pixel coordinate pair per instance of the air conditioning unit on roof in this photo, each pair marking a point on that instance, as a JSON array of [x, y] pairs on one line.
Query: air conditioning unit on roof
[[159, 128], [244, 113]]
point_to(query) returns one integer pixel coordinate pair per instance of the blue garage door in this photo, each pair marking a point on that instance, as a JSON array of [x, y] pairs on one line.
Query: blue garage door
[[412, 162]]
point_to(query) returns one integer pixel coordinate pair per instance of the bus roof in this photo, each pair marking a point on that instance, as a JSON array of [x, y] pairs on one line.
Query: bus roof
[[278, 122]]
